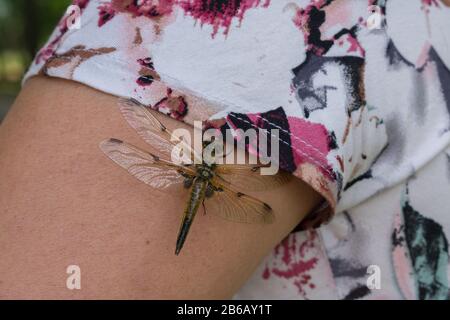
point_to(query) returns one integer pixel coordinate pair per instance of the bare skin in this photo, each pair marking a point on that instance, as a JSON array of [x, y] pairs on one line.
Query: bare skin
[[62, 202]]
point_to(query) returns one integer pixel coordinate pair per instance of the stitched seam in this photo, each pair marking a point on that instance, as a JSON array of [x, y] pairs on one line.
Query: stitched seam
[[288, 144], [290, 134]]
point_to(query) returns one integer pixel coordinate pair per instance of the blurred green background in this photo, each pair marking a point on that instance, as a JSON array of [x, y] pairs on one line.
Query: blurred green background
[[25, 26]]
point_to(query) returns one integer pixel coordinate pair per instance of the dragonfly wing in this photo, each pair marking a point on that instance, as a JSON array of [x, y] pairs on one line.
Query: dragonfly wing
[[148, 168], [153, 131], [239, 207], [248, 177]]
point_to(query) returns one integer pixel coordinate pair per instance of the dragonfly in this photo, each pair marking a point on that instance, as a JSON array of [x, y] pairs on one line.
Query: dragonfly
[[210, 185]]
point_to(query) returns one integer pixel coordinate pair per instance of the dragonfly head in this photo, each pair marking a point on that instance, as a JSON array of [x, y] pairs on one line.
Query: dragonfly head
[[205, 172]]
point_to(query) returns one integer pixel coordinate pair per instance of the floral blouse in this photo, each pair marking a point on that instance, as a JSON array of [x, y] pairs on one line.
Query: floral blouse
[[360, 93]]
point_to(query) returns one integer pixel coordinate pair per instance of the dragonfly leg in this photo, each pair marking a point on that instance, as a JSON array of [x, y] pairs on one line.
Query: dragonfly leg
[[204, 207]]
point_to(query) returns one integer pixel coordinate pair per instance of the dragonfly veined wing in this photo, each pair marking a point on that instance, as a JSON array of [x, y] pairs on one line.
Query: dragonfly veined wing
[[148, 168], [236, 206], [248, 177], [154, 132]]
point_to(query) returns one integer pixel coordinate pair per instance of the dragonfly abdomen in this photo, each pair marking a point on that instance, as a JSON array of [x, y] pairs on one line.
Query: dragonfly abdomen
[[196, 197]]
